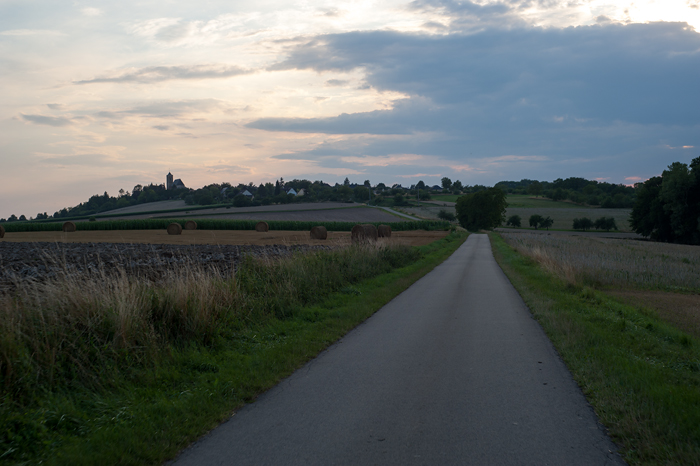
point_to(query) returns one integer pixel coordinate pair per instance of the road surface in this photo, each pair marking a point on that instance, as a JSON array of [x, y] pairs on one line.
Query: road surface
[[452, 371]]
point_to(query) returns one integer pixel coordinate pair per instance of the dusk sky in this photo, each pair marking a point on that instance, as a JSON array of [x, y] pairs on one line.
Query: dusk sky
[[97, 96]]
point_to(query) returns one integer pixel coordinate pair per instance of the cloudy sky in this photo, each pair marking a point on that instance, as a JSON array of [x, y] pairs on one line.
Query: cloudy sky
[[97, 96]]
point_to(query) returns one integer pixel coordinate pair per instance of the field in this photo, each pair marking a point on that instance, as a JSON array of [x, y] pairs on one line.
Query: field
[[232, 237], [564, 218], [529, 202], [126, 353]]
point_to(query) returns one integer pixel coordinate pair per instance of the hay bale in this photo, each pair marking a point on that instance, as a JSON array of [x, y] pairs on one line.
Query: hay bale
[[384, 231], [363, 233], [190, 225], [69, 227], [262, 227], [319, 232], [2, 231], [174, 229]]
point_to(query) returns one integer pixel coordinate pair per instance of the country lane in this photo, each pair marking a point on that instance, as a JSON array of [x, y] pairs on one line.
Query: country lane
[[453, 371]]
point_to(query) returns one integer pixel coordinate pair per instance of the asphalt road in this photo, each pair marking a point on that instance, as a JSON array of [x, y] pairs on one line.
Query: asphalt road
[[452, 371]]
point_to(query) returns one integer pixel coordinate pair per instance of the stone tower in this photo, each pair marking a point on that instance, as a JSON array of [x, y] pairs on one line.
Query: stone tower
[[169, 181]]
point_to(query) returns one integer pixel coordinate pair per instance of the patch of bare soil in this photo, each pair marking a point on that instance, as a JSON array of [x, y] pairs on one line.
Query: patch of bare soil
[[215, 237], [680, 310]]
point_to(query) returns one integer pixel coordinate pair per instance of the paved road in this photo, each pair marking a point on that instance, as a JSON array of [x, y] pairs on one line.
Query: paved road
[[452, 371]]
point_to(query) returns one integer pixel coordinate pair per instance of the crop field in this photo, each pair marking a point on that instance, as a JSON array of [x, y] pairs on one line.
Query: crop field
[[221, 237], [613, 263], [564, 218]]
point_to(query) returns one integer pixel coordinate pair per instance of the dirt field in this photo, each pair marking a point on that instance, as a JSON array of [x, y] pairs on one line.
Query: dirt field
[[234, 237]]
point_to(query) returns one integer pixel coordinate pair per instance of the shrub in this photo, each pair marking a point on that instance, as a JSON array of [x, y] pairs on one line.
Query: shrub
[[445, 215], [605, 223]]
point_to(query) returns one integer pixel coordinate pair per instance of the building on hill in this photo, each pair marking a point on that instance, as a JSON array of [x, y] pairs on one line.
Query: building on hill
[[176, 184]]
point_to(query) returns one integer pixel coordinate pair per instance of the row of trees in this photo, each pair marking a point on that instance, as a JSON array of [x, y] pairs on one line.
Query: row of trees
[[668, 206], [578, 190]]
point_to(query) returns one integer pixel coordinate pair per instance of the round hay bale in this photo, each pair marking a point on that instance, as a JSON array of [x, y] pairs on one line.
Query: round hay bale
[[174, 229], [384, 231], [363, 233], [69, 227], [190, 225], [2, 231], [319, 232], [262, 227]]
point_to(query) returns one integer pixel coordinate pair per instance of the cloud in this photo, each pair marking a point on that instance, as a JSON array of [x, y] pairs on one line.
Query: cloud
[[90, 11], [31, 32], [55, 106], [161, 127], [337, 82], [47, 120], [153, 74], [93, 160], [164, 109]]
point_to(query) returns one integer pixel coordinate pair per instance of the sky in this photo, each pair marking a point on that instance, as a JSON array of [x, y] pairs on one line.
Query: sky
[[99, 96]]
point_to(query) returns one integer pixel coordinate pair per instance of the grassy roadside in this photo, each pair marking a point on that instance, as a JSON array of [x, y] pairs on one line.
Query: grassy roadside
[[148, 413], [641, 375]]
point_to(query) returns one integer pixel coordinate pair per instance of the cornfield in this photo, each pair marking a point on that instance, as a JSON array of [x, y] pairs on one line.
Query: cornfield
[[612, 262]]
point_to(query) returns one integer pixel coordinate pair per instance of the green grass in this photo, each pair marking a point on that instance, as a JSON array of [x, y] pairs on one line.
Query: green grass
[[564, 218], [217, 224], [135, 407], [527, 201], [641, 375]]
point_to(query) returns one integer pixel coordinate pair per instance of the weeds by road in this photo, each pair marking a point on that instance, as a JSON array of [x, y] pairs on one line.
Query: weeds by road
[[640, 374], [105, 369]]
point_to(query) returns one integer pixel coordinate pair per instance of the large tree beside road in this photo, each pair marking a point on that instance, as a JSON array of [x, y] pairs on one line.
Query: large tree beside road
[[483, 210]]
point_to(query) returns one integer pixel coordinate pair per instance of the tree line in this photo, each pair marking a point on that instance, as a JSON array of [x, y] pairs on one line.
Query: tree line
[[668, 206]]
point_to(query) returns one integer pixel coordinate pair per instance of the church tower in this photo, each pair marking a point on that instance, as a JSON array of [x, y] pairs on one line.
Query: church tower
[[169, 181]]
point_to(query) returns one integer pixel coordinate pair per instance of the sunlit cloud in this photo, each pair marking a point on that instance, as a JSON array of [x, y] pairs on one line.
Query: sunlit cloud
[[153, 74]]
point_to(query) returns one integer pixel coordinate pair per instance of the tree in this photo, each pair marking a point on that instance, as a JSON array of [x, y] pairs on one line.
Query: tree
[[346, 182], [482, 210], [399, 200], [605, 223], [546, 222], [535, 188], [420, 185], [536, 220], [558, 194], [277, 188], [446, 183], [22, 218], [584, 223], [513, 221], [457, 187]]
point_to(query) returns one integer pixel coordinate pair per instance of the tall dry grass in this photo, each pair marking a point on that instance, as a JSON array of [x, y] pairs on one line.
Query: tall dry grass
[[612, 262], [80, 328]]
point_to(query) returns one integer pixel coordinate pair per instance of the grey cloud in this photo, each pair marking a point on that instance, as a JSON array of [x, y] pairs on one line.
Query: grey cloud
[[95, 160], [167, 109], [161, 127], [152, 74], [337, 82], [642, 73], [55, 106], [174, 32], [47, 120]]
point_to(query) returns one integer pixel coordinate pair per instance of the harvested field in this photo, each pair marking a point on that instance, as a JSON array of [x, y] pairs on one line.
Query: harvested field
[[180, 209], [214, 237]]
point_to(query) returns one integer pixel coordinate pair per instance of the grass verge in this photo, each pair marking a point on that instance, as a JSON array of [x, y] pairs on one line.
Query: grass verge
[[112, 386], [641, 375]]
